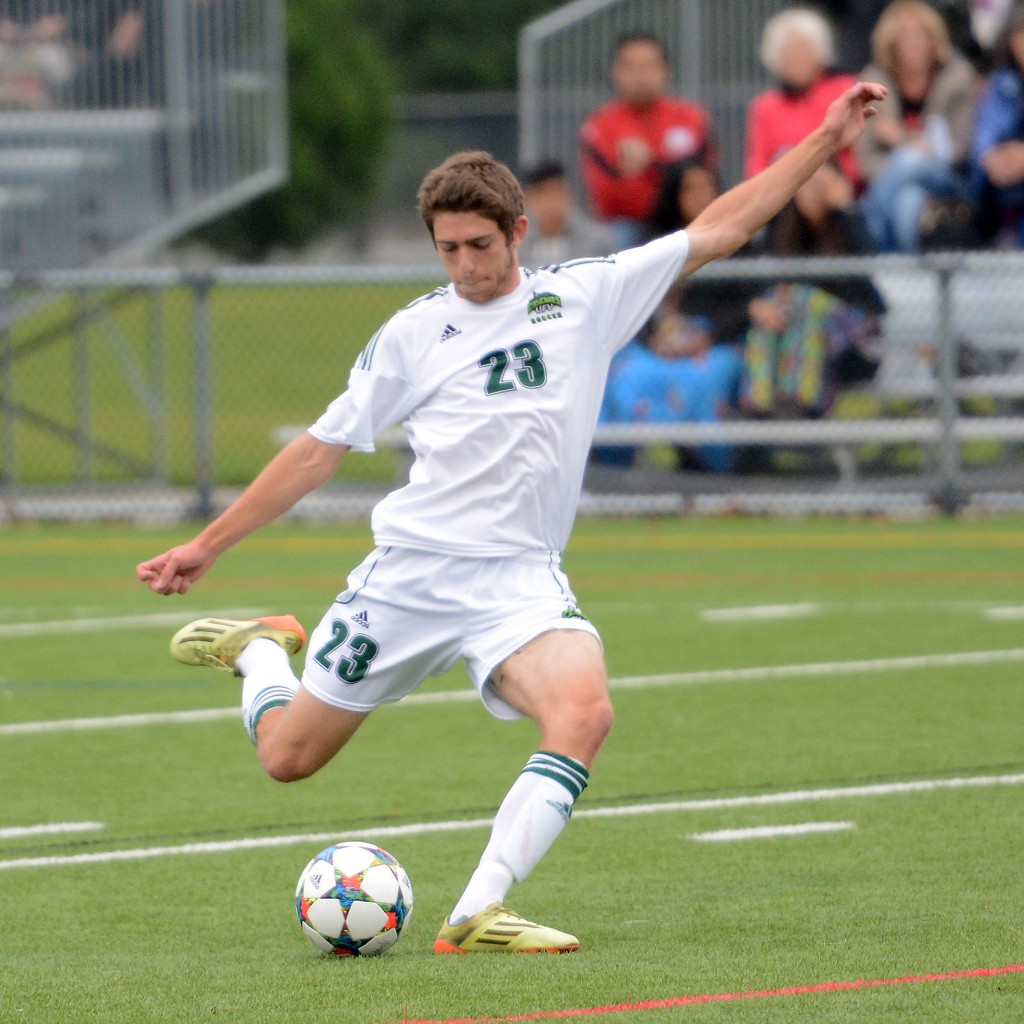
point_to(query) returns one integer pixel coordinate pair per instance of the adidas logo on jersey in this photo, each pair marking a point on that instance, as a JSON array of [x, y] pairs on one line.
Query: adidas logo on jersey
[[448, 333], [361, 619]]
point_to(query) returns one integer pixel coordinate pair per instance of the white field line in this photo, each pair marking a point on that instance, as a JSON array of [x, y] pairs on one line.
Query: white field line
[[798, 796], [1005, 614], [432, 827], [760, 613], [731, 835], [99, 625], [121, 721], [824, 668], [59, 827], [725, 675]]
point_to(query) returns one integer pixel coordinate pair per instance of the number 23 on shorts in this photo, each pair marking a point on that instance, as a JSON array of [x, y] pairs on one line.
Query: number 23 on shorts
[[348, 656]]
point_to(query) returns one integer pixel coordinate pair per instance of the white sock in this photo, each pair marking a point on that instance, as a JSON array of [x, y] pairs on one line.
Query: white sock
[[267, 680], [529, 820]]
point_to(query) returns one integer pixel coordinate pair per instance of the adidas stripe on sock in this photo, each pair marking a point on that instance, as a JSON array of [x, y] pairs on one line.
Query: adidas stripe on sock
[[567, 770]]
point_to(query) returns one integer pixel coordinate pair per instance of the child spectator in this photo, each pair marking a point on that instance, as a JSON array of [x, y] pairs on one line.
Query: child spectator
[[559, 231], [674, 375], [797, 49], [997, 158], [917, 148], [689, 188], [684, 368], [810, 337]]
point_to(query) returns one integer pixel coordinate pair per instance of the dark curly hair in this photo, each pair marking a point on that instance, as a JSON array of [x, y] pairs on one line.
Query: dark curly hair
[[471, 182]]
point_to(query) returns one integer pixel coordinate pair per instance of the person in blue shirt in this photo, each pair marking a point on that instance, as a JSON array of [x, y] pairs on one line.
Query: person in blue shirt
[[997, 151]]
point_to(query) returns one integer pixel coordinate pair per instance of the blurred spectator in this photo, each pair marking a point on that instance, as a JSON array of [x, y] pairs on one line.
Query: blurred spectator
[[121, 46], [674, 375], [36, 59], [689, 188], [915, 150], [988, 20], [810, 337], [558, 230], [969, 22], [797, 49], [686, 191], [683, 369], [626, 144], [998, 147]]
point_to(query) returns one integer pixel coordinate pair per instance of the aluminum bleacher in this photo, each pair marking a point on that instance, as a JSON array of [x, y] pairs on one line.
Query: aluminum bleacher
[[94, 171]]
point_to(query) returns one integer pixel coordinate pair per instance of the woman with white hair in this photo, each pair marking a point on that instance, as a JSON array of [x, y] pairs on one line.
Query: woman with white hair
[[797, 49]]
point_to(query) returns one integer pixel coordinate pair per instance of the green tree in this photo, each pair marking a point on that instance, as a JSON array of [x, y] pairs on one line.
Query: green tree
[[453, 45], [340, 89]]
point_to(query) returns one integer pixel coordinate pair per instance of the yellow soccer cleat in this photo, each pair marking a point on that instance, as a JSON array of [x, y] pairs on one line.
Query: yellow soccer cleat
[[500, 930], [216, 643]]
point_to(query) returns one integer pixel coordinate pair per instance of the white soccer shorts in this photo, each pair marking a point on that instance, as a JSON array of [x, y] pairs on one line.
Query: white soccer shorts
[[410, 614]]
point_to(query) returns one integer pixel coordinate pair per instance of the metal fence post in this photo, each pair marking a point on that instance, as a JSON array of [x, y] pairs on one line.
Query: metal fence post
[[8, 415], [948, 497], [202, 348], [157, 366], [83, 392]]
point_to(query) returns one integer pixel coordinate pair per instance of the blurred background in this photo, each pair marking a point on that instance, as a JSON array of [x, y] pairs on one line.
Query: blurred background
[[207, 208]]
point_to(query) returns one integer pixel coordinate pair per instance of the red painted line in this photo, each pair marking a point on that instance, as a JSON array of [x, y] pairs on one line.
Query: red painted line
[[725, 997]]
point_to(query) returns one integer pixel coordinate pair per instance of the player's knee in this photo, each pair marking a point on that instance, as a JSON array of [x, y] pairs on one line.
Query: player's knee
[[585, 724], [286, 765], [601, 718]]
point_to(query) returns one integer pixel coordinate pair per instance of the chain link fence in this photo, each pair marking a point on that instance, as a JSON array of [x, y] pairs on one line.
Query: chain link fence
[[156, 395]]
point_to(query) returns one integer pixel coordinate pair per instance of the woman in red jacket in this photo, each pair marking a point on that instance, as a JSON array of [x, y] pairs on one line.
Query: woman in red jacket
[[797, 48]]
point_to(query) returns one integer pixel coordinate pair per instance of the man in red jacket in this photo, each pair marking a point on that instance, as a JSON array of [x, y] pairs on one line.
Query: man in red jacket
[[627, 143]]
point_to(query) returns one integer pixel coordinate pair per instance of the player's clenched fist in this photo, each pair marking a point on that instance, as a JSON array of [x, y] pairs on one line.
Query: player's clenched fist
[[176, 570]]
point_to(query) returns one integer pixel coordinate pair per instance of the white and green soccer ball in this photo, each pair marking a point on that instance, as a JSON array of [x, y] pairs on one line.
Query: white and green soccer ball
[[353, 899]]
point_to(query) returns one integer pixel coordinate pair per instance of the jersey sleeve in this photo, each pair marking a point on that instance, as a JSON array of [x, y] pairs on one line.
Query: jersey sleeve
[[379, 395], [632, 283]]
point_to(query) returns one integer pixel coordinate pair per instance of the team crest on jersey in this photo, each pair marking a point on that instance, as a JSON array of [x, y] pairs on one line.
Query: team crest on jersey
[[544, 306]]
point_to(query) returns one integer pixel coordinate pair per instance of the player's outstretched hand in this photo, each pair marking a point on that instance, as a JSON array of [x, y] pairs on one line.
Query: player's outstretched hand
[[845, 118], [176, 570]]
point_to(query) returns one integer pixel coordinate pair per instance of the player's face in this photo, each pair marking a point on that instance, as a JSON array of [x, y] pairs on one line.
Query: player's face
[[482, 263]]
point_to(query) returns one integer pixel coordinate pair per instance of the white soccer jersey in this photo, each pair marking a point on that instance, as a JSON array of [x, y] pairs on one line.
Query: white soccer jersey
[[499, 400]]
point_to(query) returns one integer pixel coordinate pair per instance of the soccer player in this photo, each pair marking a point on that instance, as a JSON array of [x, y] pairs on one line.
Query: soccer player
[[498, 378]]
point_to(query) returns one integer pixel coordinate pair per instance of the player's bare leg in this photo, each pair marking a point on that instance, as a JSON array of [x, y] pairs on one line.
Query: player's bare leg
[[560, 681], [295, 733], [299, 738]]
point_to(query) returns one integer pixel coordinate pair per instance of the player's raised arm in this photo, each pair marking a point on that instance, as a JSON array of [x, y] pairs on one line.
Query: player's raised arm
[[300, 467], [733, 219]]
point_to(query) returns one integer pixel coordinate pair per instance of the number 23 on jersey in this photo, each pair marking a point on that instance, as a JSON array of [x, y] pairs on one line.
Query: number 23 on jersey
[[524, 360]]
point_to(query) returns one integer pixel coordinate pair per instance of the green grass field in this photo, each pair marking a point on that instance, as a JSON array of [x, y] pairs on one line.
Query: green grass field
[[921, 877], [292, 346]]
